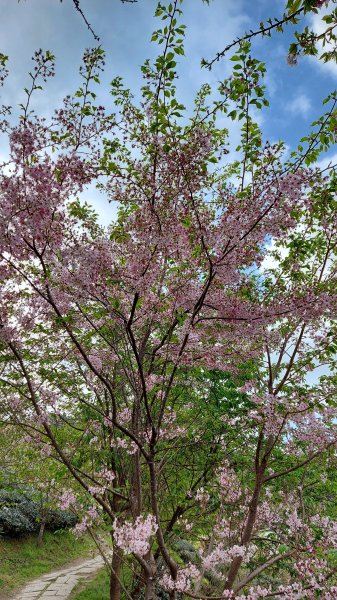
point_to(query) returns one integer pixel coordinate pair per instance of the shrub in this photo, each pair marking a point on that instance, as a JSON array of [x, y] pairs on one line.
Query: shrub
[[18, 513], [21, 514], [60, 519]]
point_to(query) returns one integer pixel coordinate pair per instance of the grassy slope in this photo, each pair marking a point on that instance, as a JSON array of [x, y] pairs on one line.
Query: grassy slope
[[97, 589], [21, 560]]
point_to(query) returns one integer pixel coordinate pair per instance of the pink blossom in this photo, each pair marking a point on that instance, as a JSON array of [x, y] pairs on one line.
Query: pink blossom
[[66, 500], [134, 537], [95, 361], [91, 518], [182, 582]]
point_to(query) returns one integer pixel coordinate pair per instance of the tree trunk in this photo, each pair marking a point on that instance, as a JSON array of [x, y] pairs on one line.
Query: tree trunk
[[41, 532], [150, 577], [116, 564], [42, 518], [247, 534], [150, 592]]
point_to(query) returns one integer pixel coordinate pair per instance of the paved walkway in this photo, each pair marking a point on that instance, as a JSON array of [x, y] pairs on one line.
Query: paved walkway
[[59, 584]]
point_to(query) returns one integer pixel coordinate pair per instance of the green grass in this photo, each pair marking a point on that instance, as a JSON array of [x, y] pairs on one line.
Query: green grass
[[97, 589], [21, 560]]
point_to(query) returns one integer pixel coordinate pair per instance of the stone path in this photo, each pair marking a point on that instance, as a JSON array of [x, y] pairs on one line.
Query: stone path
[[59, 584]]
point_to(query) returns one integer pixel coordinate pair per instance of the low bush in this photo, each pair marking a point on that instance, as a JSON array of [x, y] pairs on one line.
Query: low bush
[[20, 514]]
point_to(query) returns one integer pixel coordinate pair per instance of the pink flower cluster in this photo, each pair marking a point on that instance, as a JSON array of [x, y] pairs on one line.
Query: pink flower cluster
[[66, 500], [182, 582], [90, 519], [134, 537], [229, 484]]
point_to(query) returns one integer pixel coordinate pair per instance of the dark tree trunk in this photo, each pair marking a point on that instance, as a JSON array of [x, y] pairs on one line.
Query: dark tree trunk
[[43, 521], [260, 468], [116, 565], [39, 540], [150, 577], [150, 592]]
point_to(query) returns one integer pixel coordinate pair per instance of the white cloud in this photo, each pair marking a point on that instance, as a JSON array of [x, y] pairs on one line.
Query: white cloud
[[269, 262], [327, 161], [319, 26], [271, 83], [300, 105]]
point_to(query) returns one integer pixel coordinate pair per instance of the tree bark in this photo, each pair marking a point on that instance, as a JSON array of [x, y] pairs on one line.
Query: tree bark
[[150, 591], [43, 521], [116, 567], [39, 540], [247, 534]]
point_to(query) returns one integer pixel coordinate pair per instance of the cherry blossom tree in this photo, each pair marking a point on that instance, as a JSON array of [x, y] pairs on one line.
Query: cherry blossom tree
[[159, 359]]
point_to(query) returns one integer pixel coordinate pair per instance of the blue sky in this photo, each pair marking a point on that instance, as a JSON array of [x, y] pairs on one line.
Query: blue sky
[[295, 93]]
